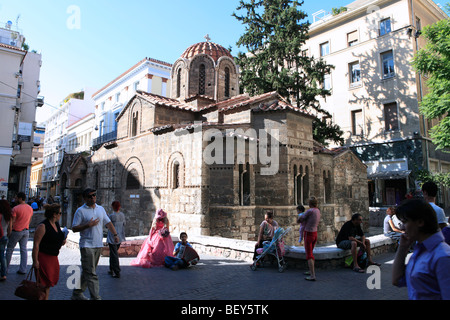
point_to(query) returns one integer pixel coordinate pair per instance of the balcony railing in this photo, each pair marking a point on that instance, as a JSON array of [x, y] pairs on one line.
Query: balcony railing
[[111, 136]]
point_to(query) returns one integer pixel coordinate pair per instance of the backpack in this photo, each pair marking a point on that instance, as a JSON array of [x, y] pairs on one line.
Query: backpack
[[363, 262]]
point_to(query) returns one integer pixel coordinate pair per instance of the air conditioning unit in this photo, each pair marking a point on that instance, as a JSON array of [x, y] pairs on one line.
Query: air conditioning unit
[[39, 101]]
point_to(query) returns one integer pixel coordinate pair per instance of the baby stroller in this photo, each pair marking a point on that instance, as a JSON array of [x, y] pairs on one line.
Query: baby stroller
[[273, 248]]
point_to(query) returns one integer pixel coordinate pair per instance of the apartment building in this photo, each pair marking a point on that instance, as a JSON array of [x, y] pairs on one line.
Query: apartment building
[[58, 140], [148, 75], [376, 93], [19, 89], [37, 155], [79, 135]]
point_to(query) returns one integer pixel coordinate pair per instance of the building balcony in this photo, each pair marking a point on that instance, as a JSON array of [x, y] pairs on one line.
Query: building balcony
[[106, 138]]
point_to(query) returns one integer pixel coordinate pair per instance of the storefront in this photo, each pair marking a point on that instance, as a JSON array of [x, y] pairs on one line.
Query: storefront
[[388, 182]]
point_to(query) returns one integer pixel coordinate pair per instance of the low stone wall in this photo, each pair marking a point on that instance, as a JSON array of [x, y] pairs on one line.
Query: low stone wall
[[325, 256], [331, 256], [129, 248]]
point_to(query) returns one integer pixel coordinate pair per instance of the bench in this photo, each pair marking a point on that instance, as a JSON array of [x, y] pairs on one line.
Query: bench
[[333, 252], [325, 256]]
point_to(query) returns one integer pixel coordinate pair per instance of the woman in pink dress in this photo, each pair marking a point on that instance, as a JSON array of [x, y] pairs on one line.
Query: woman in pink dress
[[157, 246]]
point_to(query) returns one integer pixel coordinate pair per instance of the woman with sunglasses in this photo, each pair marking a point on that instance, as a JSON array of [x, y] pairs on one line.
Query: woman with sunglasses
[[158, 244], [48, 239]]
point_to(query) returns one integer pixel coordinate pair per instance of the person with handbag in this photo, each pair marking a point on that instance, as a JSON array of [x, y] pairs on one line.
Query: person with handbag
[[48, 239]]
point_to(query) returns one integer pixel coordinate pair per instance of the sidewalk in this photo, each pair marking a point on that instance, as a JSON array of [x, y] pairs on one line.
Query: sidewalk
[[216, 279]]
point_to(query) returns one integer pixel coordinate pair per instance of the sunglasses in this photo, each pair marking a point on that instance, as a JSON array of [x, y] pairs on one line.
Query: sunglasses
[[92, 195]]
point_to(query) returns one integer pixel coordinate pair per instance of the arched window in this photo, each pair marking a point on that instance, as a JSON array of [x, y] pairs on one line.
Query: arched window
[[326, 187], [134, 123], [295, 185], [201, 79], [176, 175], [244, 184], [306, 186], [227, 82], [179, 83], [132, 180], [96, 180], [298, 185]]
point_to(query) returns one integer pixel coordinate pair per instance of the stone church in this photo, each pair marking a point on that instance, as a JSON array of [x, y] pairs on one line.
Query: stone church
[[217, 160]]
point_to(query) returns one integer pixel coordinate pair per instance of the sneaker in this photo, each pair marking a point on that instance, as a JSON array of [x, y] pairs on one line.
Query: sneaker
[[78, 297]]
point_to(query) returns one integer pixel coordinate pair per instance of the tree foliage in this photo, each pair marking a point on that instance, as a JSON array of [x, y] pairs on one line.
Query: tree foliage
[[433, 61], [424, 175], [274, 36]]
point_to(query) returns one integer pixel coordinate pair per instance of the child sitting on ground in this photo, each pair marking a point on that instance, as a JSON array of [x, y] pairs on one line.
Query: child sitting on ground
[[176, 262]]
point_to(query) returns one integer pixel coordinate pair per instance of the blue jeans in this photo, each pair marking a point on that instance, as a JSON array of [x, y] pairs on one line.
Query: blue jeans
[[172, 261], [22, 238], [3, 242]]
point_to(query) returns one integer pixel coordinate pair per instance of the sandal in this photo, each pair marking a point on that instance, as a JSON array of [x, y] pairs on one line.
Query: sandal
[[359, 270], [310, 279]]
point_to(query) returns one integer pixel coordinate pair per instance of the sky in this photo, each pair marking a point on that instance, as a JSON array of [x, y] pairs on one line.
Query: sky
[[88, 43]]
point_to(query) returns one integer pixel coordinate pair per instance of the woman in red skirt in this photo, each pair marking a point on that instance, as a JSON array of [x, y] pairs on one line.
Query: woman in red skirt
[[48, 239]]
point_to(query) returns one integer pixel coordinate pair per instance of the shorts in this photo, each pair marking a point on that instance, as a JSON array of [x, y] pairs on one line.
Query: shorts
[[310, 242], [345, 244]]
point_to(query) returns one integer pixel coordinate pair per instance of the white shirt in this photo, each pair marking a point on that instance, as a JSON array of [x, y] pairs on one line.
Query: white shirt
[[439, 213], [91, 237]]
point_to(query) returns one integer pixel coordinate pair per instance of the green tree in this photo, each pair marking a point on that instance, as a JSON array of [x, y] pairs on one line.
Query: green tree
[[433, 61], [274, 36]]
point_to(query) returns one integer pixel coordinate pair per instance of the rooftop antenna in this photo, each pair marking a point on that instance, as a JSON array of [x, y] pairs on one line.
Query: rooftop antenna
[[17, 21]]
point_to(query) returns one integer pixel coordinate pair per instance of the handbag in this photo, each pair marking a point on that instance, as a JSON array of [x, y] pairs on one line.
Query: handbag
[[29, 289]]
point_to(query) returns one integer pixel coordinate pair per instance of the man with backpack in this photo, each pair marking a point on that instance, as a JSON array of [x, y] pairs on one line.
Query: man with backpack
[[350, 237]]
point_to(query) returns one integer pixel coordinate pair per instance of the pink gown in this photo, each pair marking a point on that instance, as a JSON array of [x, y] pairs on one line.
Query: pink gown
[[153, 251]]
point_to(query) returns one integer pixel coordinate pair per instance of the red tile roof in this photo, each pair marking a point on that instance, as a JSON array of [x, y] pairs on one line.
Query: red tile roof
[[168, 102], [11, 47], [212, 49]]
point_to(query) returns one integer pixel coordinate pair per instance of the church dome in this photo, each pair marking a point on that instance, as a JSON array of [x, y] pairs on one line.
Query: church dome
[[212, 49]]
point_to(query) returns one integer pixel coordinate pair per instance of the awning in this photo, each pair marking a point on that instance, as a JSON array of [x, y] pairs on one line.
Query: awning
[[389, 175]]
